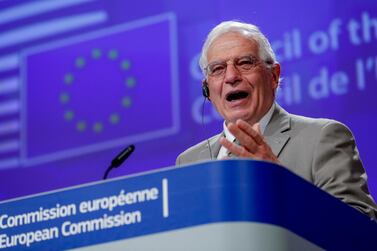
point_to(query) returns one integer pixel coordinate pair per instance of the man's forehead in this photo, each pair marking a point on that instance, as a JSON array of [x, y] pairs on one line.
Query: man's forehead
[[231, 45]]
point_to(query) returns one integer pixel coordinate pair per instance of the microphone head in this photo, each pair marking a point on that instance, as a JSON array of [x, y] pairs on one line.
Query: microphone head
[[122, 156]]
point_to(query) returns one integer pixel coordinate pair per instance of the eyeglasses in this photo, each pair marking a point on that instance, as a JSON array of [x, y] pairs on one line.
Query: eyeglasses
[[242, 64]]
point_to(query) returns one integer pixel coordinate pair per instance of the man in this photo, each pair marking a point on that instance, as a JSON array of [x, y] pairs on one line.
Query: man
[[241, 79]]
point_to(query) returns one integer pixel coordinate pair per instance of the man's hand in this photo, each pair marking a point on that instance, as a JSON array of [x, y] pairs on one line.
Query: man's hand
[[252, 144]]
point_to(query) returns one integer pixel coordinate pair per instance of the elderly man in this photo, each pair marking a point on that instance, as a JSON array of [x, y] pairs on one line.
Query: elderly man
[[241, 78]]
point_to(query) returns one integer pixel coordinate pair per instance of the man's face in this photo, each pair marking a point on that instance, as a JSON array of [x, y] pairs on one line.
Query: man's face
[[239, 93]]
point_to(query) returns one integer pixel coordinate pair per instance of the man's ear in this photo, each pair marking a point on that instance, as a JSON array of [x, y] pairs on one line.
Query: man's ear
[[275, 70]]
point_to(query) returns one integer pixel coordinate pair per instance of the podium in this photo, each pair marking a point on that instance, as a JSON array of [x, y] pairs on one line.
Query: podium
[[216, 205]]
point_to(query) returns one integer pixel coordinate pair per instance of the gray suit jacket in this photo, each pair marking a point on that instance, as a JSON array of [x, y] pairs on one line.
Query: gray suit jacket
[[322, 151]]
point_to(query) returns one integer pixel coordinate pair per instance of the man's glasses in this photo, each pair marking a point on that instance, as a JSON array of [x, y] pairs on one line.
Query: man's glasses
[[242, 64]]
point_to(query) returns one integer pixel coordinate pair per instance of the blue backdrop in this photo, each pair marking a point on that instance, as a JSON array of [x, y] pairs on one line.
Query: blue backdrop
[[80, 80]]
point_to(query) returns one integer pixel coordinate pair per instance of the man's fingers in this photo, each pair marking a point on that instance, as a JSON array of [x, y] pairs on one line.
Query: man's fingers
[[251, 140], [253, 131], [263, 153], [244, 139], [235, 149], [256, 128]]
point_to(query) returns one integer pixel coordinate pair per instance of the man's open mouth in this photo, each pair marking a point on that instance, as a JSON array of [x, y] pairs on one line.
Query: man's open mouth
[[233, 96]]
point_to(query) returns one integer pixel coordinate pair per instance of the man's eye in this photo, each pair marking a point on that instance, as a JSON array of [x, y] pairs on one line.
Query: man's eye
[[217, 68], [245, 63]]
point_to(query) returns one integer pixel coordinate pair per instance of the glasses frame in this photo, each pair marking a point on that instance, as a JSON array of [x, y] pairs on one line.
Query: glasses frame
[[243, 64]]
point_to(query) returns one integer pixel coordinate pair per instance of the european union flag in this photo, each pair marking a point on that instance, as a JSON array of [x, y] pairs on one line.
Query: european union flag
[[100, 90]]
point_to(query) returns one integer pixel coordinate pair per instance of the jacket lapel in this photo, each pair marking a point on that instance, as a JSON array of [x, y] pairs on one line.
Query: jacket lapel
[[276, 134], [211, 150]]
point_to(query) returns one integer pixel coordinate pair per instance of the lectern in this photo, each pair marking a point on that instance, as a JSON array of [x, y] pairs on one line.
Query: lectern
[[216, 205]]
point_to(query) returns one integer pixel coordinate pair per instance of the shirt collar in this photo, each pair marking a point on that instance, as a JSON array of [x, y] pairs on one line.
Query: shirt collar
[[266, 118], [262, 123]]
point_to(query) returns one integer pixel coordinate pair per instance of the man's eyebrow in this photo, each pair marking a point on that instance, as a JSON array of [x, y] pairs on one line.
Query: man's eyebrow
[[217, 62], [236, 58], [248, 56]]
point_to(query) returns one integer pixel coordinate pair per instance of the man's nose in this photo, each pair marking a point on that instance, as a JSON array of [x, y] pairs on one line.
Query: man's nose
[[232, 74]]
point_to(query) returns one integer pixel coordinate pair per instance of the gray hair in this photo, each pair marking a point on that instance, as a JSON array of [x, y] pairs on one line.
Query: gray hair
[[249, 31]]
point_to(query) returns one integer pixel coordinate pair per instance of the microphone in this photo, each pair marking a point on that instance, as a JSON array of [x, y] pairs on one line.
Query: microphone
[[119, 159]]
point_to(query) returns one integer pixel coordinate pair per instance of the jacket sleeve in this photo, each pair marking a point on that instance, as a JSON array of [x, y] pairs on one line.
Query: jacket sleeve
[[337, 168]]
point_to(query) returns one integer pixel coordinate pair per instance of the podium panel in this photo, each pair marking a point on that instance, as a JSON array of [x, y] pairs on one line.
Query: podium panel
[[217, 205], [216, 236]]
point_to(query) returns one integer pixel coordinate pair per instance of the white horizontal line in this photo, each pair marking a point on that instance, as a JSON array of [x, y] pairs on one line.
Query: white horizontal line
[[35, 8], [9, 163], [100, 33], [10, 145], [9, 62], [9, 85], [52, 27], [9, 127], [9, 107]]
